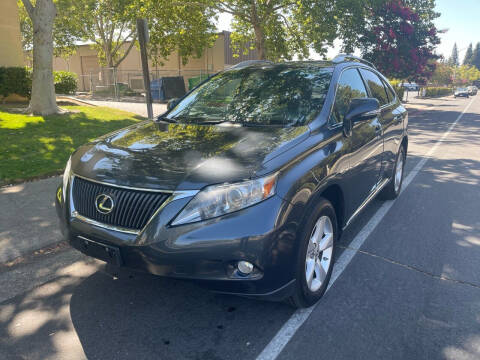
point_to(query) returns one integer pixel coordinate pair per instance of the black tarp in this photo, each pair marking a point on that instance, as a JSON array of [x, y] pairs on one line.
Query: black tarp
[[166, 88]]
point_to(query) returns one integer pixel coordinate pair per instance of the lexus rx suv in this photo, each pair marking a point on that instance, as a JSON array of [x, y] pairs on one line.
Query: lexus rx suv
[[246, 183]]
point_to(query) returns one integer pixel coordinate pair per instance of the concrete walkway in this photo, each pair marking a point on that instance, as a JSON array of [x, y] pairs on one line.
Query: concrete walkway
[[136, 108], [28, 220]]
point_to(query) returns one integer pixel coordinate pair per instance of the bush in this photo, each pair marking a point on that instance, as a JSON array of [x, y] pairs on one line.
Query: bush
[[437, 91], [15, 80], [65, 82], [400, 90], [194, 81]]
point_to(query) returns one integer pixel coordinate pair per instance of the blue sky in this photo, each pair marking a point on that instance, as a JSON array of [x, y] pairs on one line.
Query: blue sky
[[460, 17]]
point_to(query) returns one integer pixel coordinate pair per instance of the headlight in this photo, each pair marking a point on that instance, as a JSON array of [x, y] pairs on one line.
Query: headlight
[[222, 199], [66, 177]]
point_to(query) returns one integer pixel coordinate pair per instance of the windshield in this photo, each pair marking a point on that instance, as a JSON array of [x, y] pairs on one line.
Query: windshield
[[280, 95]]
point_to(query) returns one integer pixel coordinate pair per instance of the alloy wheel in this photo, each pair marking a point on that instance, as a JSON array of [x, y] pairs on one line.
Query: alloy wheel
[[399, 171], [319, 253]]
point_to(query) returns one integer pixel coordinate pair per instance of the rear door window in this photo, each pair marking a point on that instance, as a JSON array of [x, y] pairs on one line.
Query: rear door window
[[376, 86], [390, 92]]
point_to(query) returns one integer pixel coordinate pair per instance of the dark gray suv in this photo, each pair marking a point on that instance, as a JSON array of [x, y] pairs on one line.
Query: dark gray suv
[[246, 183]]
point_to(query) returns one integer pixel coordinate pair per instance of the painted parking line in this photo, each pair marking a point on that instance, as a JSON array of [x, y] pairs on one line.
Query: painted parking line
[[288, 330]]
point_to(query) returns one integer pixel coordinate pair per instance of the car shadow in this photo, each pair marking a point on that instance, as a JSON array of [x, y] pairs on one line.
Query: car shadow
[[124, 314]]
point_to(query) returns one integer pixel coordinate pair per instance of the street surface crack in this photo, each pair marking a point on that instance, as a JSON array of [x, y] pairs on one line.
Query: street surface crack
[[410, 267]]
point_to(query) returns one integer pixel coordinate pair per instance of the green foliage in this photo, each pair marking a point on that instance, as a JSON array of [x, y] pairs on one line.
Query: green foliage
[[32, 146], [468, 55], [476, 56], [453, 60], [194, 81], [446, 74], [186, 27], [281, 29], [65, 82], [110, 25], [15, 80], [438, 91], [443, 74], [466, 74], [65, 31]]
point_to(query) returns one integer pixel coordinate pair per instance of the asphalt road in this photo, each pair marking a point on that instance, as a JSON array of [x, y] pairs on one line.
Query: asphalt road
[[407, 283]]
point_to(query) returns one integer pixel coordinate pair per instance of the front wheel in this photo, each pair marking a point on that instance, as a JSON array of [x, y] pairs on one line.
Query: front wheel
[[392, 190], [315, 255]]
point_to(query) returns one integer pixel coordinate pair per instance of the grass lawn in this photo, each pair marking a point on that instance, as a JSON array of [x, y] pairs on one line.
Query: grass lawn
[[35, 146]]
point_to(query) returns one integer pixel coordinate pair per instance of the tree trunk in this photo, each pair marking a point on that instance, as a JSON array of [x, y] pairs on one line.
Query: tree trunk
[[260, 42], [43, 99], [109, 78], [259, 33]]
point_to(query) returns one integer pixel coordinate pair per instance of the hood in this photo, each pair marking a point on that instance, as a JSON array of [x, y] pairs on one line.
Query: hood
[[180, 157]]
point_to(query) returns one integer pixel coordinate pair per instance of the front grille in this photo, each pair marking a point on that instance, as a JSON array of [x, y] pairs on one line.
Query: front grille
[[132, 208]]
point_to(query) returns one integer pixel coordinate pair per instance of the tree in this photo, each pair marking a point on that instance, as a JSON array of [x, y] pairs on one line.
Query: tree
[[443, 74], [476, 56], [468, 55], [42, 15], [280, 29], [454, 57], [400, 39], [465, 74], [186, 27], [65, 36], [106, 24]]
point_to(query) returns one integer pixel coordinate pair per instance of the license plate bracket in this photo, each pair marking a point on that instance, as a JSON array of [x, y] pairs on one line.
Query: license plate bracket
[[107, 253]]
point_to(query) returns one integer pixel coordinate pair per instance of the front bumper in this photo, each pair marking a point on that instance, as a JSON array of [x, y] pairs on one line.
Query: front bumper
[[207, 251]]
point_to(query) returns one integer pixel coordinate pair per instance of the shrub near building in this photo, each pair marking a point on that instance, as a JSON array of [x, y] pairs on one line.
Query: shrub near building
[[15, 80], [65, 82], [18, 80]]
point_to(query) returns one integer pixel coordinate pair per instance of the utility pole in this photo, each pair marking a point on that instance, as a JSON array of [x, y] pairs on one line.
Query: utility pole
[[142, 30]]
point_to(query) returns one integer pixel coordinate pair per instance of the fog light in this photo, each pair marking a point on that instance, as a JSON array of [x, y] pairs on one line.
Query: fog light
[[244, 267]]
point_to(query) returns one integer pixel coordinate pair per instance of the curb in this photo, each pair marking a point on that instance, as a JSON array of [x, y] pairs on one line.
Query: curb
[[23, 259]]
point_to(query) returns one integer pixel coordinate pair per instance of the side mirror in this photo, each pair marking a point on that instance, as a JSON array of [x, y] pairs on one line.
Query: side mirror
[[172, 103], [360, 109]]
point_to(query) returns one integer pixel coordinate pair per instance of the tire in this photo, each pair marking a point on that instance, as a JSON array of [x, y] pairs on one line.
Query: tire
[[322, 219], [394, 186]]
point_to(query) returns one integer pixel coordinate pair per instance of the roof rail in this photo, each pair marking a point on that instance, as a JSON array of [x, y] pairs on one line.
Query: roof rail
[[349, 57], [246, 63]]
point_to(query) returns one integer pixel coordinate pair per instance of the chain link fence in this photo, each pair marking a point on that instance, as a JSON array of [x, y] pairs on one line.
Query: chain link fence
[[128, 85]]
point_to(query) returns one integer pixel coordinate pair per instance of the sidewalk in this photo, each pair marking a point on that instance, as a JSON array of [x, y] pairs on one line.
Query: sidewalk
[[133, 107], [28, 220], [415, 105]]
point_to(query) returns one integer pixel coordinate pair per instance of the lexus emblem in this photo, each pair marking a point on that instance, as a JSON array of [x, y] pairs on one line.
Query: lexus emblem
[[104, 204]]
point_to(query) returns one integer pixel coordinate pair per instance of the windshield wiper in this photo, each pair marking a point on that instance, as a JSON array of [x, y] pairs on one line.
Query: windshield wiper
[[166, 119], [216, 122]]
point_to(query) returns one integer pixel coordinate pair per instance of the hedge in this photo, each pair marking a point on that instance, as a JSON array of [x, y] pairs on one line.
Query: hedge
[[437, 91], [65, 82], [15, 80], [399, 89], [18, 80]]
